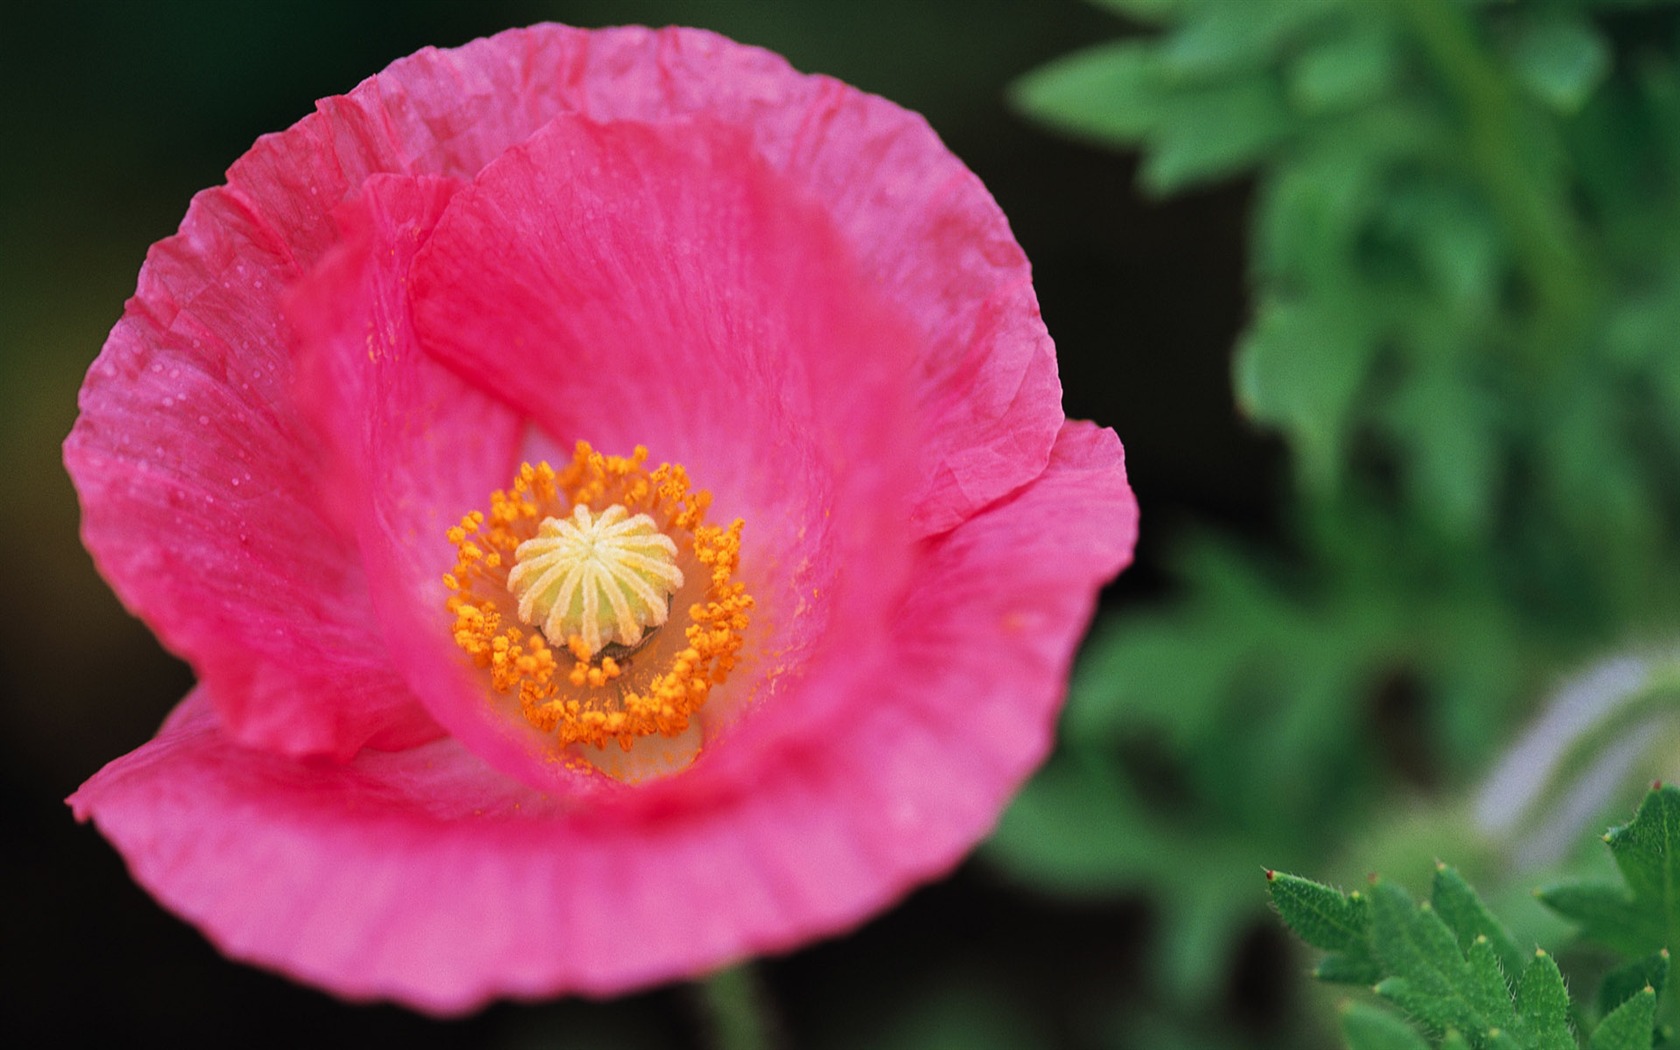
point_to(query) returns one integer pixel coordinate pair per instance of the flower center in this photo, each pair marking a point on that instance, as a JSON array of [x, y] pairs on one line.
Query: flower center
[[599, 599]]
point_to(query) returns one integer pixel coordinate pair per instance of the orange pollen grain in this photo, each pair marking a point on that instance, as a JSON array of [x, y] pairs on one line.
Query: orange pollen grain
[[620, 693]]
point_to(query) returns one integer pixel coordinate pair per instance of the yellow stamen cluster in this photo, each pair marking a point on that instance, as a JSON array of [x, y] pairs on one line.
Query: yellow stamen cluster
[[588, 687]]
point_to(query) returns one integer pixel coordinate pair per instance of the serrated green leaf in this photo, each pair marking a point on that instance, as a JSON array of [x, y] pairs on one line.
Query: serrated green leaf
[[1356, 968], [1543, 1006], [1326, 919], [1431, 979], [1561, 60], [1213, 133], [1464, 913], [1323, 917], [1111, 93], [1647, 850], [1486, 990], [1436, 984], [1606, 913], [1645, 916], [1629, 1027], [1370, 1028], [1629, 979]]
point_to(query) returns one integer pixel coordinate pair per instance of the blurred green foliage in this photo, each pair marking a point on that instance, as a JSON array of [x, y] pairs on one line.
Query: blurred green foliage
[[1465, 271]]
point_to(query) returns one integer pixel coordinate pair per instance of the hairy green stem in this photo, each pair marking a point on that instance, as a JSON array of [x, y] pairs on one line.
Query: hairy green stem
[[737, 1011]]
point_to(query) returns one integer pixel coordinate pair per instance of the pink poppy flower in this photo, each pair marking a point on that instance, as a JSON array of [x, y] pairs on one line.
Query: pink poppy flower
[[483, 711]]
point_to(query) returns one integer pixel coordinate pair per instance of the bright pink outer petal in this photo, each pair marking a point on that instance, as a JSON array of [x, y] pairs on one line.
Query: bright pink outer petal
[[426, 877], [660, 285]]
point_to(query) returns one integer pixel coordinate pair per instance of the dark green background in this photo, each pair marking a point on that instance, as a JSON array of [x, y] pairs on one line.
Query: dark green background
[[114, 114]]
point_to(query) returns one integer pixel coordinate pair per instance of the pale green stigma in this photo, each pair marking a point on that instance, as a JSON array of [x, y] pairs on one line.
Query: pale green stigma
[[601, 579]]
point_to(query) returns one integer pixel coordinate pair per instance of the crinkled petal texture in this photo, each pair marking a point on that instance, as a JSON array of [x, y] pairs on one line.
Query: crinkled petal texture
[[479, 256]]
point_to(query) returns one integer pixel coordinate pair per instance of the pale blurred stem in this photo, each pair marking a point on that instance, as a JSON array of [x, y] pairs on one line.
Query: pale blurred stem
[[1660, 692], [1536, 217], [737, 1009]]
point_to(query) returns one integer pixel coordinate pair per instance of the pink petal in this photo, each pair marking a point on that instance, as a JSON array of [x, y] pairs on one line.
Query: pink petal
[[427, 877], [658, 284]]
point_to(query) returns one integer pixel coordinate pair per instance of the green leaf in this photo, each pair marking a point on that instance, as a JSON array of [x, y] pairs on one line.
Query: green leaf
[[1440, 985], [1487, 991], [1222, 39], [1072, 830], [1629, 979], [1647, 850], [1543, 1006], [958, 1012], [1561, 60], [1318, 202], [1214, 133], [1077, 830], [1432, 981], [1111, 93], [1446, 424], [1370, 1028], [1645, 916], [1469, 919], [1457, 250], [1606, 913], [1629, 1028], [1300, 368], [1325, 918], [1146, 10], [1319, 915], [1343, 72]]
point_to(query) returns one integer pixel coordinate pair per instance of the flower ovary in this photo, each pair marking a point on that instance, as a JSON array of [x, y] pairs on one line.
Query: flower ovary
[[603, 578]]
